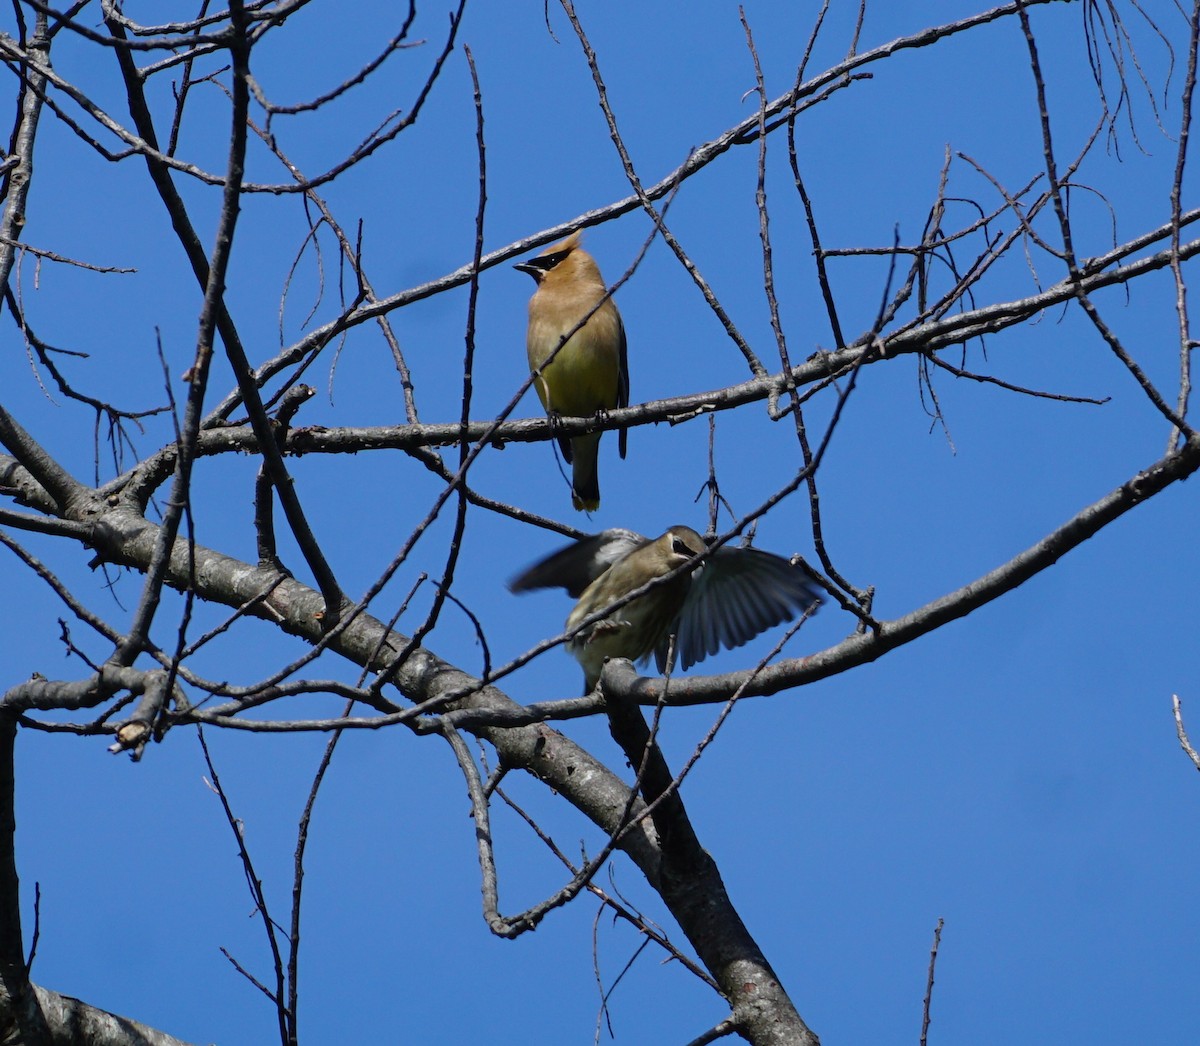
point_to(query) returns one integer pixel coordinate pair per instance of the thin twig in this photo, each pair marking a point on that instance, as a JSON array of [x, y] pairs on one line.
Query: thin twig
[[1184, 743], [933, 952]]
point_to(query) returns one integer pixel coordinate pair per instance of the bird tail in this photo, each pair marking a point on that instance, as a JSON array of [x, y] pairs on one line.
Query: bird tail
[[585, 481]]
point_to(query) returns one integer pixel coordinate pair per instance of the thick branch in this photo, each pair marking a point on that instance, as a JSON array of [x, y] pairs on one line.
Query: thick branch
[[21, 1020], [59, 484], [72, 1022], [699, 904], [123, 536], [691, 885], [19, 176]]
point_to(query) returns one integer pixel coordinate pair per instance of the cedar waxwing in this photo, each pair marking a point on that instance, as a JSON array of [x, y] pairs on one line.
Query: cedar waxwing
[[590, 372], [725, 601]]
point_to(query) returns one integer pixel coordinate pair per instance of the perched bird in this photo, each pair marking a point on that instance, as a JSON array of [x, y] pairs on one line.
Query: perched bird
[[590, 372], [725, 601]]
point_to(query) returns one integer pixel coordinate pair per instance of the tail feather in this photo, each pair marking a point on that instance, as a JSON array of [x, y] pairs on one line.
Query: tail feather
[[585, 480]]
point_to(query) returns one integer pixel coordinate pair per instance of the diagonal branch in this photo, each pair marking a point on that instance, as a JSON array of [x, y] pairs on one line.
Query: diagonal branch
[[863, 648]]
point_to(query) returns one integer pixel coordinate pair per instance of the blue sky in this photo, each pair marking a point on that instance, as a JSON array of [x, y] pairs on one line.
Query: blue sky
[[1015, 773]]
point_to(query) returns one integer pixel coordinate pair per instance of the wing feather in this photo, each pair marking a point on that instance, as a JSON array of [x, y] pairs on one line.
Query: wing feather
[[578, 564], [737, 594]]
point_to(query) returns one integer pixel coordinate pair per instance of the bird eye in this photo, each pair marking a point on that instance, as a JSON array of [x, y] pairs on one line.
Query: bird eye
[[679, 547], [548, 261]]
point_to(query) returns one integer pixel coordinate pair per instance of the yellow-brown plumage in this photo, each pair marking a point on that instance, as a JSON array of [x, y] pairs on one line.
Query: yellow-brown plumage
[[636, 629], [590, 372], [725, 601]]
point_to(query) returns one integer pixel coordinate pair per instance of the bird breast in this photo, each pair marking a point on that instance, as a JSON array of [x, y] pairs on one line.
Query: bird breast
[[586, 371], [631, 631]]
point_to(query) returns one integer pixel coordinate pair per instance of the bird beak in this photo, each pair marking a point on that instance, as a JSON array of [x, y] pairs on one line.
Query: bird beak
[[530, 268]]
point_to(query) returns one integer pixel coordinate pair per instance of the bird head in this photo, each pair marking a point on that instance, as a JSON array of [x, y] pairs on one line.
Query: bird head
[[676, 547], [565, 260]]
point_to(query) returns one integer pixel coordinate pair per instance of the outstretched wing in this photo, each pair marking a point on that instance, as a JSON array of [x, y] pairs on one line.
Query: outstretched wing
[[579, 564], [735, 595]]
